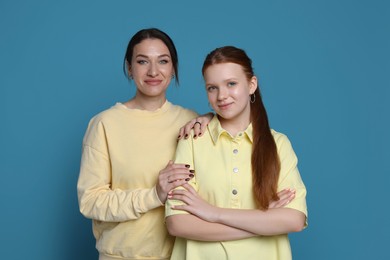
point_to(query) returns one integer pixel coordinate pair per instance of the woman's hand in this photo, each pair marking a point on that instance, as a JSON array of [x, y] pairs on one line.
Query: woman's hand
[[285, 196], [194, 204], [199, 125], [172, 176]]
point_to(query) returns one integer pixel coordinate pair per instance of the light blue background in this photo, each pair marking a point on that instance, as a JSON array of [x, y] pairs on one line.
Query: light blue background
[[324, 69]]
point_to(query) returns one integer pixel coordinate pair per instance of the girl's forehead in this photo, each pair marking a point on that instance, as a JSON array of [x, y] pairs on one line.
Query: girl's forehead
[[223, 70]]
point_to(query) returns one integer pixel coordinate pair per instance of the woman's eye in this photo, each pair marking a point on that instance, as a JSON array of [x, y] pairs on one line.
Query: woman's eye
[[164, 61], [141, 61]]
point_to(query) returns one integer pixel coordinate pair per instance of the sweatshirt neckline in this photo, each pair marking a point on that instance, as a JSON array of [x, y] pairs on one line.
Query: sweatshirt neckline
[[165, 107]]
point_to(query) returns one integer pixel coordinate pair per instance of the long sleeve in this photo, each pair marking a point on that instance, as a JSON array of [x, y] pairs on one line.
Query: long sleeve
[[97, 199], [123, 152]]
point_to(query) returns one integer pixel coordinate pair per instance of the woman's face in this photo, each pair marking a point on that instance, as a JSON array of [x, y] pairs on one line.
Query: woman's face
[[151, 68], [229, 90]]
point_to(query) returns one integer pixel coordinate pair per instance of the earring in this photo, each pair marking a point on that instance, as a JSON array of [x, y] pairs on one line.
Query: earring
[[173, 76], [252, 98]]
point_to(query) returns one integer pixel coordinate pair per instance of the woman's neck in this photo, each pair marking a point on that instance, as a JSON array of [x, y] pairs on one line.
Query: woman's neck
[[149, 103]]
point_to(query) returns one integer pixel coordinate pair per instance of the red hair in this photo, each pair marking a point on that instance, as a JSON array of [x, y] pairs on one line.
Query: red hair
[[265, 160]]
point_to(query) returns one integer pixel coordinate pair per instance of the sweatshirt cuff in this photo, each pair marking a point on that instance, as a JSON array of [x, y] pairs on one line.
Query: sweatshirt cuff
[[152, 200], [156, 196]]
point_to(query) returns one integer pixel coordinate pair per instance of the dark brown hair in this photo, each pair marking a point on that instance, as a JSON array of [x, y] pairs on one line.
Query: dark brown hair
[[265, 159]]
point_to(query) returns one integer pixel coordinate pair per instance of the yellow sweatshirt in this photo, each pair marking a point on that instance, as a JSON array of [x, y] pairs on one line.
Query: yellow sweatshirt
[[123, 153]]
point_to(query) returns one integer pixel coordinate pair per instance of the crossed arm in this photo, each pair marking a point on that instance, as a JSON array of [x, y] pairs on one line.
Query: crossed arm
[[209, 223]]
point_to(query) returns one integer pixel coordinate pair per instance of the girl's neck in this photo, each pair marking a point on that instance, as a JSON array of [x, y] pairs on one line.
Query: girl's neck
[[234, 126]]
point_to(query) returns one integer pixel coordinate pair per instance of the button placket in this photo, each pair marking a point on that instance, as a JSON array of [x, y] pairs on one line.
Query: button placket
[[235, 201]]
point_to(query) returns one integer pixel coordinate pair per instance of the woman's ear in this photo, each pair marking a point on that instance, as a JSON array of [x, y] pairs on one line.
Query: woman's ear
[[128, 70]]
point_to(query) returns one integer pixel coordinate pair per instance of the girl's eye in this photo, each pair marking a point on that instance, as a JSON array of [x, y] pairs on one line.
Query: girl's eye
[[232, 83], [211, 88]]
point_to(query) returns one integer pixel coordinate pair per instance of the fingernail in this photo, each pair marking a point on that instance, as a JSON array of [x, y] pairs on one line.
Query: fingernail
[[192, 171], [186, 136], [179, 137], [194, 136], [187, 179], [191, 175], [187, 166], [200, 134]]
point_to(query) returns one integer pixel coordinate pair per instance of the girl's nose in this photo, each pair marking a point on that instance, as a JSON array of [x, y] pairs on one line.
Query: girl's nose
[[222, 94]]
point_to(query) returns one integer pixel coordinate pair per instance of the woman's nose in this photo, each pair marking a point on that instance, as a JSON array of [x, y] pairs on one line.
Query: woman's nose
[[152, 70]]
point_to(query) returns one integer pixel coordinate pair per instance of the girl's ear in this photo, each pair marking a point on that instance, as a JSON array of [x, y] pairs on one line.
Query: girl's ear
[[252, 85]]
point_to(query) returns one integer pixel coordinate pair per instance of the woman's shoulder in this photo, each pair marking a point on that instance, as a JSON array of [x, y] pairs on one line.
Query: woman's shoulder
[[108, 113], [109, 117], [181, 109]]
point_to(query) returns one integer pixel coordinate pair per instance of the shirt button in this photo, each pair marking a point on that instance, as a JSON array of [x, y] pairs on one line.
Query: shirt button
[[235, 170], [234, 192], [235, 151], [240, 134]]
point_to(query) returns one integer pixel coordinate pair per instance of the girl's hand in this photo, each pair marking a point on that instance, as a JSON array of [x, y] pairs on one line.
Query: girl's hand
[[194, 204], [285, 196], [199, 125], [172, 176]]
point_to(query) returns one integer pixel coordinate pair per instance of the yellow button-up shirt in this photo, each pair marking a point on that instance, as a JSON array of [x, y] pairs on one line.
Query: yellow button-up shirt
[[223, 177]]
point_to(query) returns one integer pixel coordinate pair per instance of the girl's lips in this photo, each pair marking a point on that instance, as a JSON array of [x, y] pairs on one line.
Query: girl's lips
[[224, 106]]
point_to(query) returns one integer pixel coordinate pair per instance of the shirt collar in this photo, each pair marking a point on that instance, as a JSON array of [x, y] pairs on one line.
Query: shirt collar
[[216, 130]]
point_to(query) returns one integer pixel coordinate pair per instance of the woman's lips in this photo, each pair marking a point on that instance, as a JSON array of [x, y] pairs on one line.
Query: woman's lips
[[153, 82]]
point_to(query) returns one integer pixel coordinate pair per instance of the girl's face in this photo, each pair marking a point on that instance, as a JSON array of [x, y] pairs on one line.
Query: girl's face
[[151, 68], [228, 91]]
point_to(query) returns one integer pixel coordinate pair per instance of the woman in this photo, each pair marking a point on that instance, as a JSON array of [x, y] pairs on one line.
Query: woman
[[126, 171], [226, 211]]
